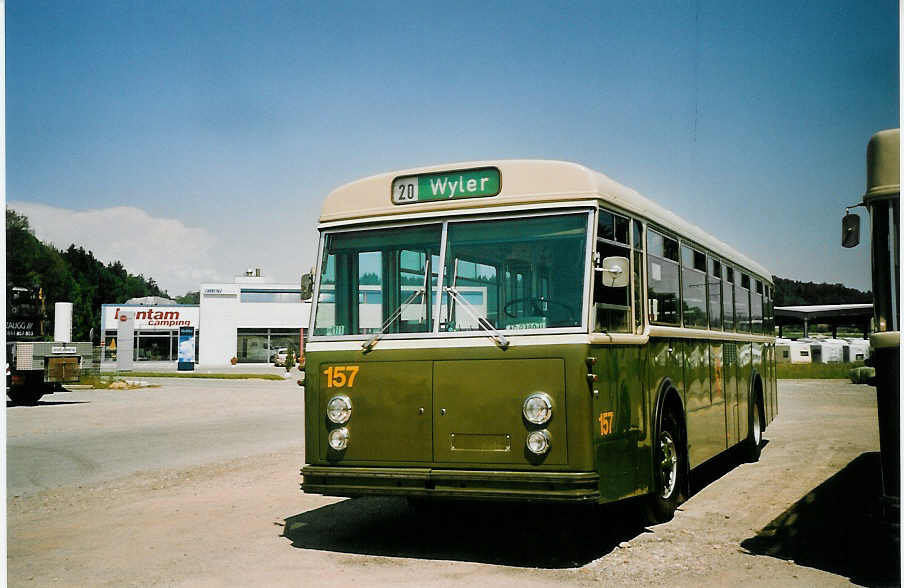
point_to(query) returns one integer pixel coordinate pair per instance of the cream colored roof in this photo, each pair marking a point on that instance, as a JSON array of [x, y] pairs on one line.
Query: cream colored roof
[[522, 182], [883, 165]]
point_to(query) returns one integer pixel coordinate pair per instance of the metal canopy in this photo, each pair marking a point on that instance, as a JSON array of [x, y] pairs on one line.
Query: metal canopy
[[834, 315]]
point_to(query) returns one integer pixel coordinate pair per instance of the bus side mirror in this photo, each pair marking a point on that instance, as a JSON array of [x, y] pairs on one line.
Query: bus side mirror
[[850, 230], [615, 272], [307, 286]]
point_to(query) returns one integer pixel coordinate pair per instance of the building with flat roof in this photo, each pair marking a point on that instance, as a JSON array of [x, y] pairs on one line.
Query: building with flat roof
[[248, 319], [833, 315]]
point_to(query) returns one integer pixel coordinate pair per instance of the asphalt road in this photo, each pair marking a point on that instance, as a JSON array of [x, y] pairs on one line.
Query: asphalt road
[[195, 483], [88, 436]]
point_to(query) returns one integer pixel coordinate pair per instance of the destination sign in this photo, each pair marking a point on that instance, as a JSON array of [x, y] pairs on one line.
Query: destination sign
[[471, 183]]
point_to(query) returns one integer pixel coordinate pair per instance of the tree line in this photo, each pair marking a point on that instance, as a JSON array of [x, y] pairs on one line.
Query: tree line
[[71, 275], [794, 293]]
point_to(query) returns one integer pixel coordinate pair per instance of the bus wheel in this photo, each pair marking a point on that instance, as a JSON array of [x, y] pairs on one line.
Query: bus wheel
[[669, 470], [754, 441]]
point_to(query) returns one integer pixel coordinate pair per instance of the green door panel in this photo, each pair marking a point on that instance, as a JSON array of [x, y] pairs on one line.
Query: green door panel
[[730, 358], [717, 388], [619, 423], [705, 421], [745, 370], [477, 411], [391, 411]]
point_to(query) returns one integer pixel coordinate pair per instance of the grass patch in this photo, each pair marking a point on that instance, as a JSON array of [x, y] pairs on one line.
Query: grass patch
[[815, 371], [96, 381], [194, 375], [108, 381]]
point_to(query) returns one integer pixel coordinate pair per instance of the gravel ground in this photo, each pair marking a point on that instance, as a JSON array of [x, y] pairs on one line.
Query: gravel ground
[[234, 516]]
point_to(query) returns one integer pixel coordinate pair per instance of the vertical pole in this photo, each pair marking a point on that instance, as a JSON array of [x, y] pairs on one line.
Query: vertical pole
[[806, 327]]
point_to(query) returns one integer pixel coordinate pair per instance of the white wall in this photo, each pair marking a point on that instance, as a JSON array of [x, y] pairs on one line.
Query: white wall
[[223, 313]]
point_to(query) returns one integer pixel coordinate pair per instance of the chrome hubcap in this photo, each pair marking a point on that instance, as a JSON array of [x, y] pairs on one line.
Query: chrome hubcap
[[668, 465], [757, 433]]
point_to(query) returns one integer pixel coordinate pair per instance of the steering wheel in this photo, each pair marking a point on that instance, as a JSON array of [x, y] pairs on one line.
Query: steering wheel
[[536, 305]]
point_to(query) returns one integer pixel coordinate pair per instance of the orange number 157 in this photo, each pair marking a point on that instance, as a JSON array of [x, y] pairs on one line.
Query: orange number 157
[[605, 423], [341, 376]]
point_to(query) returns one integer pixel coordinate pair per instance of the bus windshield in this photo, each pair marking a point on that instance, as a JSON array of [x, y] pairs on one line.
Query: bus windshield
[[518, 274], [367, 277], [515, 274]]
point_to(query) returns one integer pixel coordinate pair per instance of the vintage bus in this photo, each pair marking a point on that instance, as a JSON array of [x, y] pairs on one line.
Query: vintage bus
[[546, 334], [882, 199]]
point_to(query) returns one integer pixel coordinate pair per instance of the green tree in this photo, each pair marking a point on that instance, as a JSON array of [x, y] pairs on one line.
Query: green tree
[[189, 298], [73, 275]]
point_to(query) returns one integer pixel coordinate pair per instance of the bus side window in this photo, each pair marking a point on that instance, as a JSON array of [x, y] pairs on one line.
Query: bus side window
[[756, 308], [693, 296], [663, 291], [715, 294], [612, 305], [638, 277], [742, 304], [729, 296]]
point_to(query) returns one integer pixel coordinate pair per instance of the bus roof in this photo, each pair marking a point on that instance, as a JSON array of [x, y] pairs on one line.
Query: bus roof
[[522, 182], [883, 165]]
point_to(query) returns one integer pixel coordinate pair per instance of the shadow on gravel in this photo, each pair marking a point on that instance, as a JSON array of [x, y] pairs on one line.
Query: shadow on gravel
[[10, 403], [523, 535], [836, 528], [717, 467]]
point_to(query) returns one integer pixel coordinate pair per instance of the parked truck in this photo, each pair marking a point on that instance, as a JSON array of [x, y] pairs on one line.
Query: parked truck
[[36, 366]]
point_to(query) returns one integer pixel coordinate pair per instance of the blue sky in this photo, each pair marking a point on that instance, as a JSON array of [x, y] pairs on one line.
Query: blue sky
[[193, 140]]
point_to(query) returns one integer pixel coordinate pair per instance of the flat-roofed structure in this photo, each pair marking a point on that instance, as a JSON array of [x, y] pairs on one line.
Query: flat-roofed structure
[[833, 315]]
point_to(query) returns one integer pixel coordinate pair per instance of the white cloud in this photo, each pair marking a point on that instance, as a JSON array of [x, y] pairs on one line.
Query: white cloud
[[177, 256]]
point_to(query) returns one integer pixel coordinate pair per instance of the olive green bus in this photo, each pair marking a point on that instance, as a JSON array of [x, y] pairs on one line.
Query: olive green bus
[[527, 330], [882, 199]]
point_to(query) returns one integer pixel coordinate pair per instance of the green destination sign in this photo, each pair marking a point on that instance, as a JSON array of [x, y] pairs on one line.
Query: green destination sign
[[471, 183]]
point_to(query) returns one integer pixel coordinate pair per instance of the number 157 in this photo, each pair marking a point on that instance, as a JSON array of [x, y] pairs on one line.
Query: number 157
[[605, 421], [341, 376]]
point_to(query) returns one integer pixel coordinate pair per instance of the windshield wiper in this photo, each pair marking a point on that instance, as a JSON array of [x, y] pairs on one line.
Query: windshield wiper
[[422, 291], [392, 318], [498, 337]]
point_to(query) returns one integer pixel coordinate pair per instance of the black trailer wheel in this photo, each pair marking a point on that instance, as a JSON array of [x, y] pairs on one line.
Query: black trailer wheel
[[25, 395]]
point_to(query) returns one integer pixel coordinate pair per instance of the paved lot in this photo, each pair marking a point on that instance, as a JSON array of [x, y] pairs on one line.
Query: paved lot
[[89, 436], [196, 483]]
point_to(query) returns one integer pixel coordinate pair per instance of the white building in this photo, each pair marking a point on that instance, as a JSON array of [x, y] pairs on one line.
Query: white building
[[247, 320]]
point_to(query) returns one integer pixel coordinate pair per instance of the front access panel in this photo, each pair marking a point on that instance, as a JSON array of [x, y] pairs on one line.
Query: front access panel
[[477, 410]]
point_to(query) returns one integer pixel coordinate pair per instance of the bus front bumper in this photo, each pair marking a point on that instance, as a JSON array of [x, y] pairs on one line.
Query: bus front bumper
[[462, 484]]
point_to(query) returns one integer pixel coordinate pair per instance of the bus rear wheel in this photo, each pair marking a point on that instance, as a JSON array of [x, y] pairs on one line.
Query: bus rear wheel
[[669, 470], [753, 444]]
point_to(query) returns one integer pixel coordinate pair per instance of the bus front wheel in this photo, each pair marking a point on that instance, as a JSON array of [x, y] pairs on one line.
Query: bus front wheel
[[669, 470]]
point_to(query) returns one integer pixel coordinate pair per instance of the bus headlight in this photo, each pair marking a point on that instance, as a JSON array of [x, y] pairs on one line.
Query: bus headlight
[[339, 409], [537, 408], [538, 442], [338, 439]]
